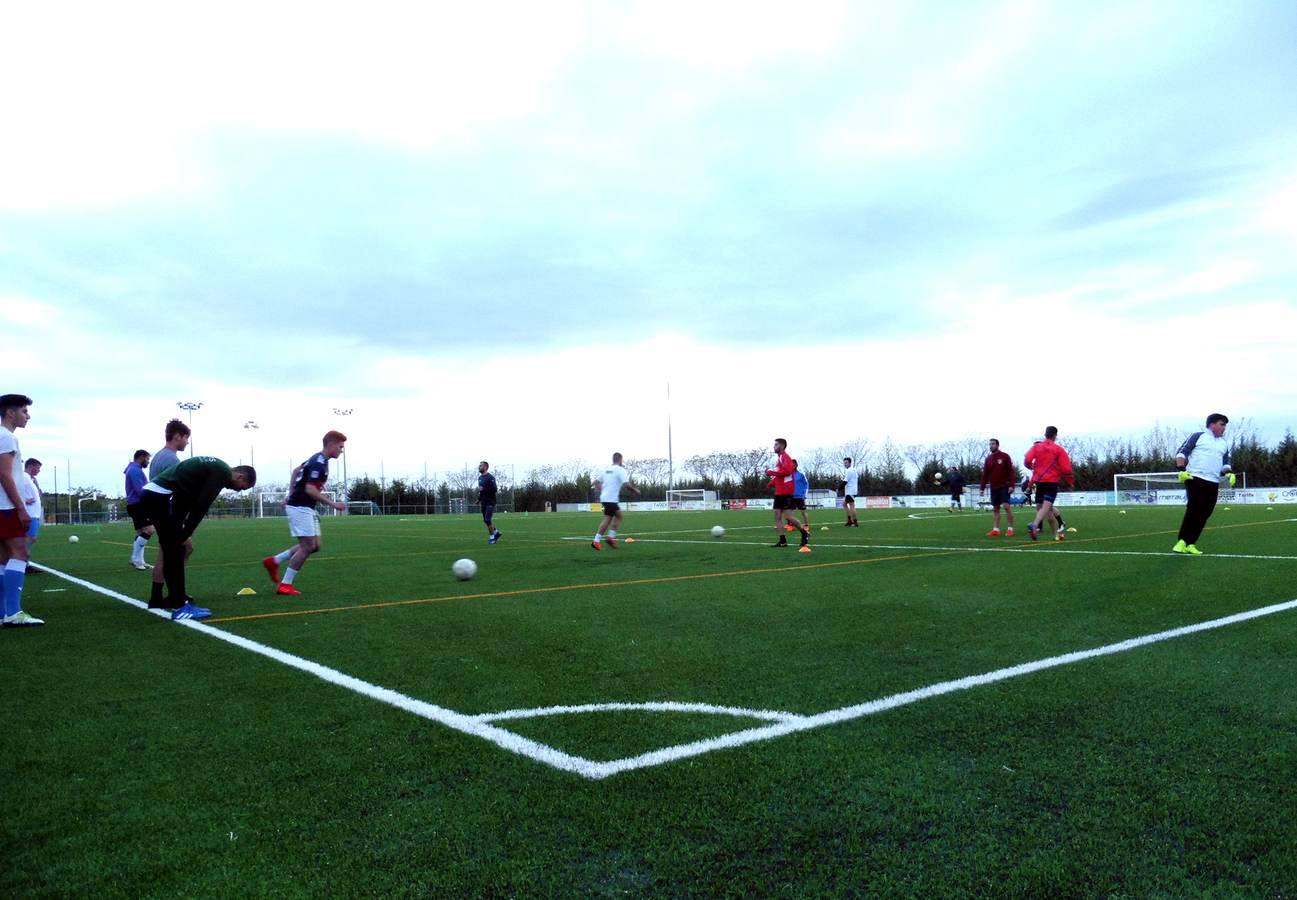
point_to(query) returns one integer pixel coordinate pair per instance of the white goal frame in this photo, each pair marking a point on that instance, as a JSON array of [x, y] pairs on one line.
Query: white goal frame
[[692, 499], [1142, 487], [271, 504]]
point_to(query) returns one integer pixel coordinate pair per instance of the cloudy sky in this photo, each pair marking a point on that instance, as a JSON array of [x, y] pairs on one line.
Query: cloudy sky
[[500, 232]]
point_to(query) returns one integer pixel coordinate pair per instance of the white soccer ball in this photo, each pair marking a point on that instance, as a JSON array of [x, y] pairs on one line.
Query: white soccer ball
[[464, 569], [718, 531], [72, 539], [937, 476]]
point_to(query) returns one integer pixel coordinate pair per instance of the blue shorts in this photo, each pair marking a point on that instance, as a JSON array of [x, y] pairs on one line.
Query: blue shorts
[[488, 510], [34, 528]]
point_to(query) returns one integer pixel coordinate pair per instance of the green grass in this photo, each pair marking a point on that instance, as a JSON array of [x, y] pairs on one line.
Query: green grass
[[143, 758]]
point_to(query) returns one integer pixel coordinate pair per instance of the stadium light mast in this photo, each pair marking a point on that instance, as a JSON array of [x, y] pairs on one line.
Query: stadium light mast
[[251, 427], [189, 406], [346, 492], [671, 468]]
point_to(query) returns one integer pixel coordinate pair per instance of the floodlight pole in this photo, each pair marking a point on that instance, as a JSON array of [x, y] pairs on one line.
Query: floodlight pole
[[251, 427], [346, 493], [671, 469], [189, 406]]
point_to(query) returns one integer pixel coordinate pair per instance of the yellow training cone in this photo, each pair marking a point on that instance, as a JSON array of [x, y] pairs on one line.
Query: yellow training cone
[[245, 592]]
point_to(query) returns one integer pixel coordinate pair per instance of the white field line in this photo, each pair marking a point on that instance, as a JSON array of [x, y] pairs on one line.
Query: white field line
[[458, 721], [785, 723], [847, 713], [1057, 545]]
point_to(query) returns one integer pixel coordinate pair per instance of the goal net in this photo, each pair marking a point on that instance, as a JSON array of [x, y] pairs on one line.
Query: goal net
[[271, 503], [692, 498], [1143, 487]]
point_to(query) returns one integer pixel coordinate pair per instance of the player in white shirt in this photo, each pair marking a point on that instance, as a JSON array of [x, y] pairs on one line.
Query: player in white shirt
[[610, 483], [31, 489], [849, 485], [14, 517]]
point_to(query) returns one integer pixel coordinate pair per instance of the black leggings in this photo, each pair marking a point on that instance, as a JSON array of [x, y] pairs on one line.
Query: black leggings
[[1201, 502], [168, 517]]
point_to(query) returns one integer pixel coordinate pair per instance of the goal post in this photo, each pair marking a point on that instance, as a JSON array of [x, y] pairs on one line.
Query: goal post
[[271, 503], [1142, 487], [691, 498]]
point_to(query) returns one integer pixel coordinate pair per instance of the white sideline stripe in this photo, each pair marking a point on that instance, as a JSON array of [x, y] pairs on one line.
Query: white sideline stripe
[[458, 721], [786, 723], [936, 549], [668, 706], [847, 713]]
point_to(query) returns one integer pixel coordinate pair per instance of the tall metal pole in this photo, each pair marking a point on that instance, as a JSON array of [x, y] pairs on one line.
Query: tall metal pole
[[251, 427], [189, 406], [346, 492], [671, 466]]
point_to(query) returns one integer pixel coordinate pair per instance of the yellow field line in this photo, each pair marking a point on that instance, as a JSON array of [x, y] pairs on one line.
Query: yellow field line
[[581, 587]]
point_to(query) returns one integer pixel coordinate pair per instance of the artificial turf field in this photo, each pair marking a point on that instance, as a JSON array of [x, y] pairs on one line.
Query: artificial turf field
[[690, 716]]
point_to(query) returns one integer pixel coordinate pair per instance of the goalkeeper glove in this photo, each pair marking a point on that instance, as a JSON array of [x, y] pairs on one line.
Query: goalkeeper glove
[[1230, 479], [1183, 475]]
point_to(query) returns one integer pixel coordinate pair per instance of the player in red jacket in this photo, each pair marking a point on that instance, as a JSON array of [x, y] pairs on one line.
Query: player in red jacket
[[782, 479], [1049, 465], [998, 472]]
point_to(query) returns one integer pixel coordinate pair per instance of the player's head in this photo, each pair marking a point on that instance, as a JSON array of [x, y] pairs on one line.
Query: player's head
[[142, 458], [242, 478], [780, 445], [334, 442], [33, 466], [1050, 432], [1217, 422], [13, 410], [995, 444], [616, 459], [177, 435], [483, 466], [846, 461], [794, 464]]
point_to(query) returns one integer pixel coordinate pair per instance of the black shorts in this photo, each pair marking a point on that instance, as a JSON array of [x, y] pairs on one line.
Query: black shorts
[[956, 493], [784, 501], [799, 503], [611, 509], [139, 518], [848, 498], [488, 510], [1046, 492], [1000, 496]]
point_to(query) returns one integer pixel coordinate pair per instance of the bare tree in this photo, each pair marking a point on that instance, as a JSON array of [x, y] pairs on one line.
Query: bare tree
[[858, 449], [649, 470]]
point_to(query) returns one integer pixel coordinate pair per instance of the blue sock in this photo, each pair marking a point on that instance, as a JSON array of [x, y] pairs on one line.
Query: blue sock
[[15, 575]]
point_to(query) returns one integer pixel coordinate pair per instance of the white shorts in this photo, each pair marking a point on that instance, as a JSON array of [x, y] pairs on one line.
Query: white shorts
[[303, 521]]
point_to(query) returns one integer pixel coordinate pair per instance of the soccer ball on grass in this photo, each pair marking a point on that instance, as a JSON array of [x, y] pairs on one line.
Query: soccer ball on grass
[[718, 531], [72, 539], [464, 569]]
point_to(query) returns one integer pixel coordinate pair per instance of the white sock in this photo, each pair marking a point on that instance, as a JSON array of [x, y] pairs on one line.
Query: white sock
[[612, 532], [598, 538], [137, 549], [289, 574], [284, 557]]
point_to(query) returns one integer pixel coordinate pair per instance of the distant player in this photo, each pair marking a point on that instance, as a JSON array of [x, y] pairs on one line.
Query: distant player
[[1203, 460], [955, 481], [177, 435], [307, 486], [176, 502], [800, 487], [1050, 465], [15, 520], [782, 480], [610, 483], [32, 498], [997, 471], [486, 491], [849, 487], [135, 481]]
